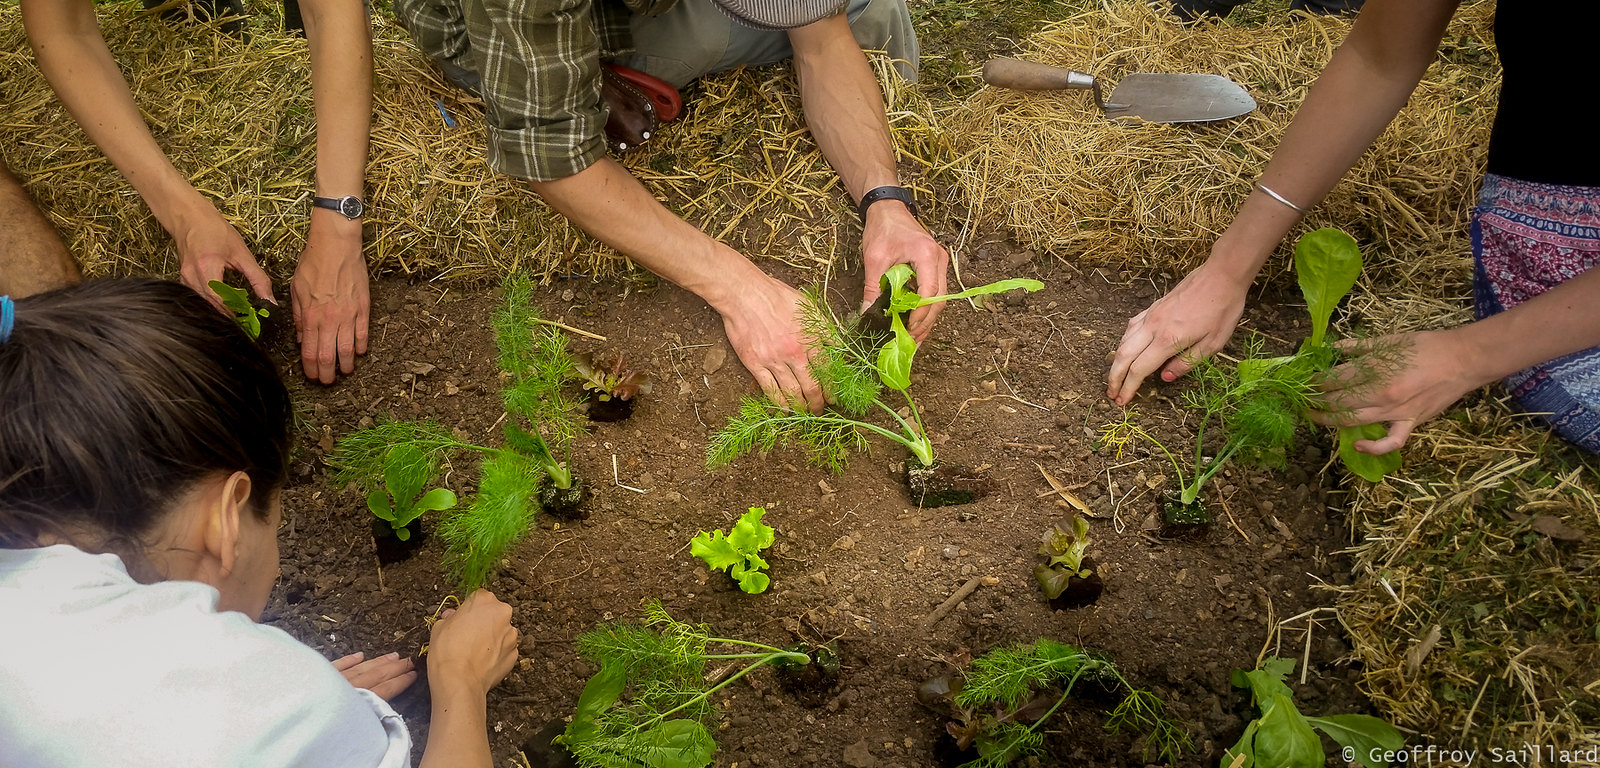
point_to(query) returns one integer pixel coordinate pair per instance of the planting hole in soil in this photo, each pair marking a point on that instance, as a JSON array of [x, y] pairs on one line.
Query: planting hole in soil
[[609, 410], [944, 484], [541, 751], [391, 548]]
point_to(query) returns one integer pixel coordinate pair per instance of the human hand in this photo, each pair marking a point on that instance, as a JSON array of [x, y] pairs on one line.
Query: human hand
[[208, 246], [1193, 321], [1402, 380], [893, 236], [764, 328], [330, 299], [474, 645], [386, 675]]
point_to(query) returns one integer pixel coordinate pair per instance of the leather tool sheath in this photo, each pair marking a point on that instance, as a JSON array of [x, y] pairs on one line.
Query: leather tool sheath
[[638, 103]]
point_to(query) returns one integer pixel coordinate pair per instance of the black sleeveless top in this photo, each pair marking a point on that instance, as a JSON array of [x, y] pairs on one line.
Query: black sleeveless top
[[1548, 126]]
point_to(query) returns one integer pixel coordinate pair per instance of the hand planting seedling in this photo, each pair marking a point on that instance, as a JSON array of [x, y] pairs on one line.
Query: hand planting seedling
[[237, 300], [1281, 737], [1259, 404], [611, 392], [1068, 576], [739, 552], [854, 369], [661, 668], [997, 707]]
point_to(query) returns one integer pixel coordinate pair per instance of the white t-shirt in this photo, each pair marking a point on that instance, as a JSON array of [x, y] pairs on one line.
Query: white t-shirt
[[97, 670]]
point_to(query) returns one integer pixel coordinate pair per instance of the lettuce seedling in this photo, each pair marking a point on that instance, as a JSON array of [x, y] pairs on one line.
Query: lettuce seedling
[[661, 667], [237, 300], [401, 500], [999, 704], [1067, 576], [1281, 737], [616, 382], [854, 369], [738, 552]]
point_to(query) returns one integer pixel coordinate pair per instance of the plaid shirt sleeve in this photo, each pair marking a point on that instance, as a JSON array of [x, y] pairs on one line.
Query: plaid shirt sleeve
[[539, 63]]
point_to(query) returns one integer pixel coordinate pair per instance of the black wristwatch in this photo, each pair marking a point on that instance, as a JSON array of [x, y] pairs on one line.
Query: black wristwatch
[[348, 206], [886, 193]]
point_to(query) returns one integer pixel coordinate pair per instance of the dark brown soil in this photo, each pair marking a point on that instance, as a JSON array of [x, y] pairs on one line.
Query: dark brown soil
[[1012, 391]]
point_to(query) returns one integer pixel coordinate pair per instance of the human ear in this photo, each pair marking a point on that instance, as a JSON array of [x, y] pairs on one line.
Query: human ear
[[222, 540]]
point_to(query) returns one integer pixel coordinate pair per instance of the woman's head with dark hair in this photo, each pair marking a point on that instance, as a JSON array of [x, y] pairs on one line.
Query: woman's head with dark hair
[[120, 397]]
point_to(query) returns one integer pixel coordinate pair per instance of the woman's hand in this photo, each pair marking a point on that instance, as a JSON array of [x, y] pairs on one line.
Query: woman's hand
[[386, 675], [474, 645], [1193, 321], [1402, 380]]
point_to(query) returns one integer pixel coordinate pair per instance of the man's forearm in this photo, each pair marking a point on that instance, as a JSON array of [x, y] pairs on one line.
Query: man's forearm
[[67, 44], [1369, 79], [844, 105], [341, 85], [609, 203]]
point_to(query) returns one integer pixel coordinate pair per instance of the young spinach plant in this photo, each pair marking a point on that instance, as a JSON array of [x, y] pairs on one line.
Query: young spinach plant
[[237, 300], [739, 551], [1281, 737], [660, 722], [854, 369], [998, 706], [401, 500]]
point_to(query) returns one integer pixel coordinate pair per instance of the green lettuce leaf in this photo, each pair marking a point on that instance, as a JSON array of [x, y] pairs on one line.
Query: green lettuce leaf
[[1327, 263]]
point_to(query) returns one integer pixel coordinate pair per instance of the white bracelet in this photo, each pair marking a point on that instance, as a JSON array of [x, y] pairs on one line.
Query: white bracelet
[[1279, 198]]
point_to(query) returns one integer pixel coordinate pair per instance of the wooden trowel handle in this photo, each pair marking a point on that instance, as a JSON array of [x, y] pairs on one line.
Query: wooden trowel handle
[[1032, 76]]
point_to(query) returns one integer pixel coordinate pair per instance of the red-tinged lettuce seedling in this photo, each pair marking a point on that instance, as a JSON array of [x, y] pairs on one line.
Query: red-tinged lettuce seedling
[[616, 382], [1067, 576], [739, 551], [1281, 737], [237, 300]]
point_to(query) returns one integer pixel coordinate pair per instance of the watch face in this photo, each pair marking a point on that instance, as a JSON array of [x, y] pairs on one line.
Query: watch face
[[351, 207]]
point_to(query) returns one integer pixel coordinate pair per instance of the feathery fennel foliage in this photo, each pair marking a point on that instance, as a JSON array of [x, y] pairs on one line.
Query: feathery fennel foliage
[[478, 537], [660, 666], [1008, 678], [540, 364]]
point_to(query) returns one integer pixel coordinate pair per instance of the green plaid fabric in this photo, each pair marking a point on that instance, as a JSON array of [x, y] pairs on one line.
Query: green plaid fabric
[[539, 61]]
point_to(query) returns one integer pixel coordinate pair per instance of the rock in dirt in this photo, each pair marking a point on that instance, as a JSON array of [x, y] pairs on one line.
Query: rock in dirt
[[716, 357], [859, 755]]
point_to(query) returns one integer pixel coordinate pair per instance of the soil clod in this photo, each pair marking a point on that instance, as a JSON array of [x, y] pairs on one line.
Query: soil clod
[[564, 503], [390, 547], [1188, 522]]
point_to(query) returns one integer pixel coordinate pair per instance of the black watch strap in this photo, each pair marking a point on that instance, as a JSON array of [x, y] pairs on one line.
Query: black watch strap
[[886, 193], [349, 206]]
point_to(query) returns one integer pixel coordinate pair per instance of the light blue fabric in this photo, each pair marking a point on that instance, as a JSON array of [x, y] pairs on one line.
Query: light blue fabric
[[8, 317]]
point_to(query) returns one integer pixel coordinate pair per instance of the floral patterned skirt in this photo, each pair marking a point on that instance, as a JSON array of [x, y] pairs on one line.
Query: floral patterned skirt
[[1526, 239]]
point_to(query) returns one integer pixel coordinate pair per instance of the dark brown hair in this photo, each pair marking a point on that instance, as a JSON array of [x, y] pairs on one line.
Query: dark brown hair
[[118, 396]]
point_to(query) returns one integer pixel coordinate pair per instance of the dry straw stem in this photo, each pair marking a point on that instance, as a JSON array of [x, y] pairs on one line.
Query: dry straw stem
[[1066, 180], [236, 118]]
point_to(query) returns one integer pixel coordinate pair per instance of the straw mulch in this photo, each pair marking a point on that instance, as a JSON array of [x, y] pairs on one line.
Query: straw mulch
[[236, 118], [1476, 604], [1051, 168]]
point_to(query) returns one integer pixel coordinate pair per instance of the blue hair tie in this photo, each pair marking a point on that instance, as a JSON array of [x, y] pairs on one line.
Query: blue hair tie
[[8, 316]]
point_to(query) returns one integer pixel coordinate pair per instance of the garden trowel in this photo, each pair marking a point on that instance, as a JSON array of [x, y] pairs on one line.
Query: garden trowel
[[1156, 97]]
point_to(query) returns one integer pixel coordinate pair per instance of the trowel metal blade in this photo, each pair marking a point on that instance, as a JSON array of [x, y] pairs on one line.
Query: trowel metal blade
[[1178, 98]]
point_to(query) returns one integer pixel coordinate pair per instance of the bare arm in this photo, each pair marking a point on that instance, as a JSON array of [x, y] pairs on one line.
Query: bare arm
[[844, 109], [471, 650], [1435, 368], [67, 44], [1369, 79], [329, 290]]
